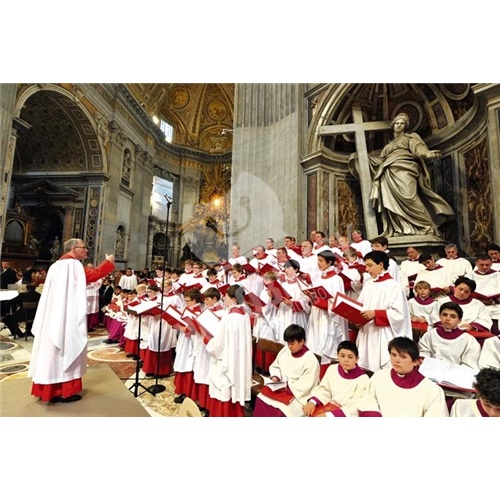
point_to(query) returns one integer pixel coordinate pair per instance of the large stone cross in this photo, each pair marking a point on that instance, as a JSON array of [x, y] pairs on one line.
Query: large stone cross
[[359, 128]]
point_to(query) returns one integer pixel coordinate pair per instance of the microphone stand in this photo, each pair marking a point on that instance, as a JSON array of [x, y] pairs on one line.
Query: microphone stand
[[135, 386], [156, 388]]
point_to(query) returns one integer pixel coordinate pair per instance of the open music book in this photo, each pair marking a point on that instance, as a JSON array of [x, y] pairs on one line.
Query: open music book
[[274, 386], [348, 308], [207, 322], [279, 293], [145, 306], [319, 296], [447, 374]]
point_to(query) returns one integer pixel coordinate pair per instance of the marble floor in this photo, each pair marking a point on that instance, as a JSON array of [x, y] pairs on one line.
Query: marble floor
[[15, 357]]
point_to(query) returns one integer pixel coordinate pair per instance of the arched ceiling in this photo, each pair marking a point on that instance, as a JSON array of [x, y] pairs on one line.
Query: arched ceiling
[[198, 111], [434, 109]]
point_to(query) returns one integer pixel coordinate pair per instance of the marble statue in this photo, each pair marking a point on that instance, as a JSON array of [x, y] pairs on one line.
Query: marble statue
[[401, 191]]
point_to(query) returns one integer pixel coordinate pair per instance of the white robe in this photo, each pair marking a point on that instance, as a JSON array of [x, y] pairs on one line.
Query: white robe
[[265, 326], [363, 247], [463, 350], [437, 278], [490, 353], [60, 326], [184, 351], [488, 284], [342, 392], [301, 375], [473, 312], [456, 267], [465, 408], [286, 315], [230, 373], [201, 365], [428, 311], [168, 334], [427, 399], [92, 291], [325, 329], [372, 340]]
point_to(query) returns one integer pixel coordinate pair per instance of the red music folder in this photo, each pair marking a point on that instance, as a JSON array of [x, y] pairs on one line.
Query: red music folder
[[183, 288], [248, 268], [319, 296], [254, 302], [486, 298], [149, 307], [267, 268], [279, 293], [348, 308], [280, 395], [223, 288], [207, 322], [173, 317]]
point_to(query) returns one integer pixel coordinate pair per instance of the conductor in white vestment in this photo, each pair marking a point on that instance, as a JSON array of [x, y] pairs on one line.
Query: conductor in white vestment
[[59, 357]]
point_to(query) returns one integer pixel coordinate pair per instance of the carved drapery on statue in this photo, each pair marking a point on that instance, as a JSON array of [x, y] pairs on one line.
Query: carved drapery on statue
[[401, 192]]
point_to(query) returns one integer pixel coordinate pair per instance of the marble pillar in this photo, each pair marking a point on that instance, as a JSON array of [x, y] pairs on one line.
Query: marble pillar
[[268, 187]]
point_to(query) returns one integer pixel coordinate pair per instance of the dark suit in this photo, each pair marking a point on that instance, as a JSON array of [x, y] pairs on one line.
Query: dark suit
[[11, 320], [105, 295], [7, 277]]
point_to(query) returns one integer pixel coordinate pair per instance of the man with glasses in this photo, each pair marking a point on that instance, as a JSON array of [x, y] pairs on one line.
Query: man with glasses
[[59, 356]]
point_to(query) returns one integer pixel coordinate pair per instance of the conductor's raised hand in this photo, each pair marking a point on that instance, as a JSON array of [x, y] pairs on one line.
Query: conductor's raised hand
[[110, 257]]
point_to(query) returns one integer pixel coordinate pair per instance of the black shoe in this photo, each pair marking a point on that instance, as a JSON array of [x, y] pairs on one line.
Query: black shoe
[[207, 414], [150, 374], [91, 330], [180, 399], [108, 341], [70, 399]]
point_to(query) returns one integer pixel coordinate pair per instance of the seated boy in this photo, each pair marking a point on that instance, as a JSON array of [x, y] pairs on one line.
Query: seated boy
[[402, 391], [475, 315], [487, 404], [423, 308], [341, 388], [437, 276], [449, 342], [299, 368]]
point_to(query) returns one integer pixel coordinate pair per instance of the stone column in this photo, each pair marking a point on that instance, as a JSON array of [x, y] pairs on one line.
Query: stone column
[[7, 147], [267, 192]]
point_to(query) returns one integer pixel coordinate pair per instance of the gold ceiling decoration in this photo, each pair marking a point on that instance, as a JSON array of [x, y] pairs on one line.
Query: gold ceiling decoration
[[198, 111]]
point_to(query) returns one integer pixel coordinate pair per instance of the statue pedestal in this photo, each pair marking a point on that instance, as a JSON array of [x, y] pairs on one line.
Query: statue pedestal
[[423, 242]]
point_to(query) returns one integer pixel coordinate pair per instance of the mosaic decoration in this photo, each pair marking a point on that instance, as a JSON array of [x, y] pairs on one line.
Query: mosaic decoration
[[479, 199], [350, 210]]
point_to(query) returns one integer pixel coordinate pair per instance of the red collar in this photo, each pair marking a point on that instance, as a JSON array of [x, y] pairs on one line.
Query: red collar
[[424, 302], [408, 380], [236, 309], [328, 274], [351, 374], [300, 353], [383, 277], [491, 271], [449, 335]]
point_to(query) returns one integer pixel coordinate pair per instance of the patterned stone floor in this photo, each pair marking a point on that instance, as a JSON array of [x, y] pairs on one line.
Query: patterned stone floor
[[15, 356]]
